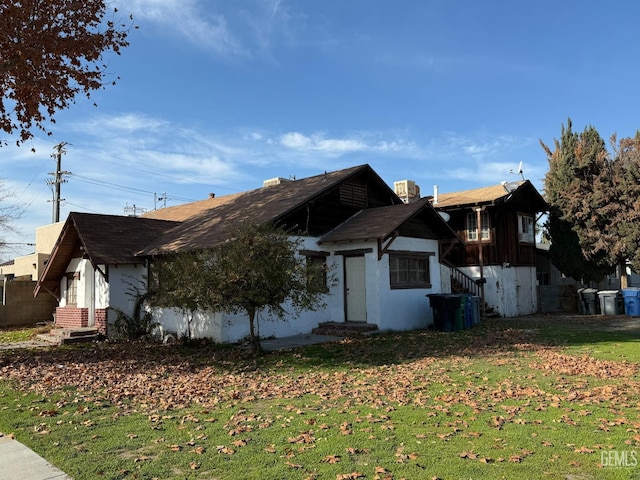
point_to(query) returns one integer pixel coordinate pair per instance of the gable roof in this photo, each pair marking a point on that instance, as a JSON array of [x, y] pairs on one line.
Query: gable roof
[[214, 220], [492, 195], [103, 239], [380, 223]]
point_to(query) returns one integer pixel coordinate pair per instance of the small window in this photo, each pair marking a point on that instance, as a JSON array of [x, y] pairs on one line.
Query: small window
[[472, 226], [409, 270], [71, 296], [317, 272], [526, 230]]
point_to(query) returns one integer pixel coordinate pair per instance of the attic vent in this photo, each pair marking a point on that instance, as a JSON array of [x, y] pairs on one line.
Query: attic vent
[[274, 181], [353, 195]]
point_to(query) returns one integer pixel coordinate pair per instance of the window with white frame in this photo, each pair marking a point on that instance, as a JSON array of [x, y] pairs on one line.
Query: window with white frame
[[71, 296], [472, 226], [526, 229]]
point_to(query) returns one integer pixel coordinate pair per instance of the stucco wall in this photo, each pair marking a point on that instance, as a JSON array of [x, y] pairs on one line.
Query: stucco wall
[[402, 309], [512, 291]]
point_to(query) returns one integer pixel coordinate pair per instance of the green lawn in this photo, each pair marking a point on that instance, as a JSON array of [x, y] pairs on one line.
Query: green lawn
[[21, 334], [542, 397]]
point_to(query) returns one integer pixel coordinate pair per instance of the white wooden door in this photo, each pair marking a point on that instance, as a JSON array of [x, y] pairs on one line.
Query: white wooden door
[[355, 291]]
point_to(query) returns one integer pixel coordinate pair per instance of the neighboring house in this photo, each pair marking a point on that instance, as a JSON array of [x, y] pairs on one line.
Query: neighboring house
[[93, 267], [18, 278], [384, 254], [497, 224]]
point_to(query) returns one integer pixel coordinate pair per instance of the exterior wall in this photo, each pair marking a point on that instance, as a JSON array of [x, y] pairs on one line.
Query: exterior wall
[[512, 291], [33, 264], [96, 296], [72, 317], [47, 236], [402, 309], [407, 309], [18, 307], [120, 291]]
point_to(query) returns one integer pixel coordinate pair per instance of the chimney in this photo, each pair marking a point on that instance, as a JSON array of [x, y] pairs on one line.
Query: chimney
[[435, 194]]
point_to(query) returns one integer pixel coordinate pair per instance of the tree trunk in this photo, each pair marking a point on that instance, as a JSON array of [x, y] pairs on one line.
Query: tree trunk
[[253, 338], [624, 281]]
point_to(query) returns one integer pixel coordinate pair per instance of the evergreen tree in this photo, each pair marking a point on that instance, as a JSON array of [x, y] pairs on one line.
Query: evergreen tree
[[626, 220], [579, 189]]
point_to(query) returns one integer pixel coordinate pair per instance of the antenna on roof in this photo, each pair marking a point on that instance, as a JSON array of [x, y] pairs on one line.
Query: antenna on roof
[[519, 171]]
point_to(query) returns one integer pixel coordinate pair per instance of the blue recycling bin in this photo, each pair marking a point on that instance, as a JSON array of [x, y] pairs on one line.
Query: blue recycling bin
[[631, 301], [465, 302], [475, 310]]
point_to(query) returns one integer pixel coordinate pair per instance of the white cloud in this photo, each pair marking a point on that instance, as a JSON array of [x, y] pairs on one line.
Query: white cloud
[[191, 20], [316, 143]]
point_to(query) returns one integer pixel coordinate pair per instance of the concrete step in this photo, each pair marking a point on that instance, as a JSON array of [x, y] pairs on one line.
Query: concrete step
[[63, 336], [345, 329]]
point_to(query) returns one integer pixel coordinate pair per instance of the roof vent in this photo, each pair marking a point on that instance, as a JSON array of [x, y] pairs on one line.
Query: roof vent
[[511, 186], [274, 181], [407, 190]]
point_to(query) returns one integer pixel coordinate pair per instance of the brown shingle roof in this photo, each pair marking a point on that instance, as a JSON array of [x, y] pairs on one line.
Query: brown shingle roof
[[381, 222], [180, 213], [475, 196], [522, 193], [104, 239], [215, 219]]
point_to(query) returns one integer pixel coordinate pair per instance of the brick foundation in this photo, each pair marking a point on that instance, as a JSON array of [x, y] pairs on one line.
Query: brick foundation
[[74, 317], [101, 320]]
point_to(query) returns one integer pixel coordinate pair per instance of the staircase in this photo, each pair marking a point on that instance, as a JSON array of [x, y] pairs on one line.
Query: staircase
[[463, 283], [63, 336], [345, 329]]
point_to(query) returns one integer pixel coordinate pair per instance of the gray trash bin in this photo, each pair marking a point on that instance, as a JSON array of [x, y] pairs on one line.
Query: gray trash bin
[[588, 301], [611, 302]]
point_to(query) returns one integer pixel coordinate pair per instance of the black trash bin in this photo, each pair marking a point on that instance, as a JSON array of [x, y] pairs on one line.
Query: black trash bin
[[446, 307]]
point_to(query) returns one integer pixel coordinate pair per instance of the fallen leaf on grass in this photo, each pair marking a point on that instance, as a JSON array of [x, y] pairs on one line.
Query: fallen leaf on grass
[[469, 455], [293, 465], [194, 465], [584, 450], [331, 459], [349, 476]]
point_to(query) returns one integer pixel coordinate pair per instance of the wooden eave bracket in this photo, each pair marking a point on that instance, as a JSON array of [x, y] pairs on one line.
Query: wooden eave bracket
[[384, 247]]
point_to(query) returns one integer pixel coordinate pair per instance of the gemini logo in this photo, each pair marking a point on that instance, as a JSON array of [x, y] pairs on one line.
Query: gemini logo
[[619, 458]]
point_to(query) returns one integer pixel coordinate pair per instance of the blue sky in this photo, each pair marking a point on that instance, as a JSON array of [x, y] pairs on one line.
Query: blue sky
[[216, 96]]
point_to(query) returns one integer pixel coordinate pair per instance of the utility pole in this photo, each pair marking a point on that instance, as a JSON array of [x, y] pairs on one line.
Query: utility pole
[[57, 180]]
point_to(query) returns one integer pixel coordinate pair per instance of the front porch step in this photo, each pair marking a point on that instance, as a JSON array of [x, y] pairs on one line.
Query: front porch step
[[63, 336], [346, 329]]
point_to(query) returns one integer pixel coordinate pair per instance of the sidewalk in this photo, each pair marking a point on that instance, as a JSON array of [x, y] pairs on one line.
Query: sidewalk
[[17, 462]]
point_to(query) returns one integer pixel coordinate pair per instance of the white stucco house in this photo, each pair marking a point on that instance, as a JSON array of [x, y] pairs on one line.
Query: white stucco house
[[385, 255]]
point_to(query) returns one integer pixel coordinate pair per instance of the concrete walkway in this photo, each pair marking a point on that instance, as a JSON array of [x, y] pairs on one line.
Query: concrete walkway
[[18, 462], [296, 341]]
